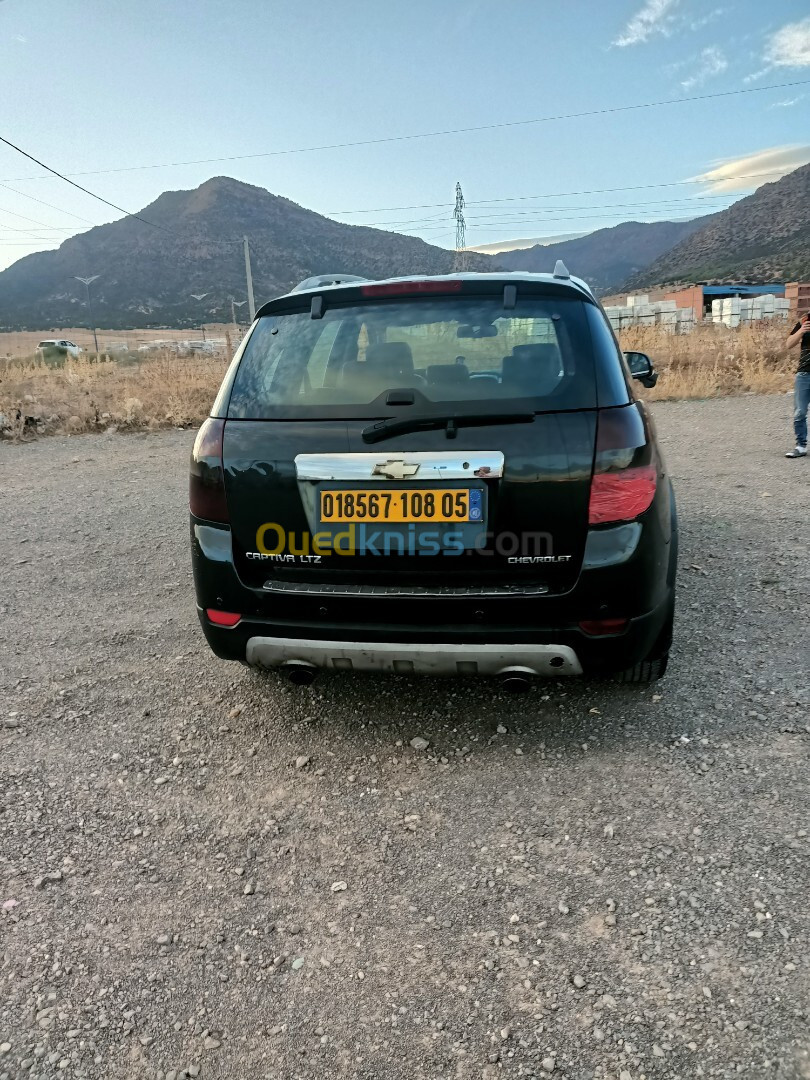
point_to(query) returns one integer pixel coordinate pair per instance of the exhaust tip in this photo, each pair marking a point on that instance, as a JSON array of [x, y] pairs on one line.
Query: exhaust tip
[[515, 684], [301, 674], [516, 679]]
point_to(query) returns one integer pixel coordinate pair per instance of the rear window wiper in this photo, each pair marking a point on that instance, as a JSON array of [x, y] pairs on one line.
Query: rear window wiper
[[384, 429]]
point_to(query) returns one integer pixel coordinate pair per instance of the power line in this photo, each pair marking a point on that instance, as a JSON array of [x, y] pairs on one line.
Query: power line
[[626, 209], [498, 227], [23, 217], [665, 205], [555, 195], [43, 228], [482, 227], [49, 205], [420, 135], [73, 183]]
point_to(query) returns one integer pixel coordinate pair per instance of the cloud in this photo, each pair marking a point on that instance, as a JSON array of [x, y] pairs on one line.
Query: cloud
[[709, 17], [787, 104], [762, 167], [790, 46], [711, 62], [655, 17]]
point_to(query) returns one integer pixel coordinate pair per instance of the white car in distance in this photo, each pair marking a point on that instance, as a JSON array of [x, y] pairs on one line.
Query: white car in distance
[[61, 346]]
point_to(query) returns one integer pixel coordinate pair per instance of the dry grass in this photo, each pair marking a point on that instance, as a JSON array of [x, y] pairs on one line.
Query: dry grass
[[162, 390], [165, 390], [715, 361]]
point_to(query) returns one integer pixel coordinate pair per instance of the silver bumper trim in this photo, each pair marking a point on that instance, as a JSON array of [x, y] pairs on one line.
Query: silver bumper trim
[[408, 658]]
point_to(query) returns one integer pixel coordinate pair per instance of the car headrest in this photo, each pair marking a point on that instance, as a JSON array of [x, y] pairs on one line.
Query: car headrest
[[390, 357], [447, 374], [538, 353], [534, 369]]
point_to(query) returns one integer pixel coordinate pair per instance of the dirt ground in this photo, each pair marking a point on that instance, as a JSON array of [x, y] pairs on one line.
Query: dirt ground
[[208, 872]]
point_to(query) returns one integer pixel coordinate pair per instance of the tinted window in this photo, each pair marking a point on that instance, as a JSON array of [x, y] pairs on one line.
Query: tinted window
[[610, 370], [447, 351]]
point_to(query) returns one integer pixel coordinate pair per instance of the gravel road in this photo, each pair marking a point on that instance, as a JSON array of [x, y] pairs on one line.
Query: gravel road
[[208, 872]]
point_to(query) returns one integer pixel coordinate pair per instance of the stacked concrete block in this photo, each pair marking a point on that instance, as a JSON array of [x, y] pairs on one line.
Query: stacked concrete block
[[732, 311], [642, 311], [748, 313], [668, 319]]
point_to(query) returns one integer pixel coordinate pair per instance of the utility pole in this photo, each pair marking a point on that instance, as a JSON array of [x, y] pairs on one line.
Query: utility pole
[[199, 296], [249, 279], [87, 281], [460, 258]]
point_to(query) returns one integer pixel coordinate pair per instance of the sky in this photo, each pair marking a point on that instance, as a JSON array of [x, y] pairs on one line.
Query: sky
[[115, 95]]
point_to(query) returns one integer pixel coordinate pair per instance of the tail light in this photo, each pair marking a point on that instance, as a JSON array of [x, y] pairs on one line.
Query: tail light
[[624, 476], [223, 618], [206, 492], [603, 627]]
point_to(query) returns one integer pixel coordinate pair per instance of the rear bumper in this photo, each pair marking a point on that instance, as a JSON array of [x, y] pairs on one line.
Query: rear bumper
[[409, 658], [438, 633], [438, 649]]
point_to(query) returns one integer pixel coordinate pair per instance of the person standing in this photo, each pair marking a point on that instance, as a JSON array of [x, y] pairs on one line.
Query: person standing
[[801, 393]]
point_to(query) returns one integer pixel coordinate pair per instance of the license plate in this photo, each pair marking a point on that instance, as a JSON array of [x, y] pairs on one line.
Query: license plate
[[381, 505]]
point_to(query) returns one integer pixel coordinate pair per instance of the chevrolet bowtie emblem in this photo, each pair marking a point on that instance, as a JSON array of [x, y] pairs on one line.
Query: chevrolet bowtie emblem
[[396, 470]]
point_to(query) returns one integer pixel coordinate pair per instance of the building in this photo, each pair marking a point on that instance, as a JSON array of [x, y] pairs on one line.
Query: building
[[699, 297], [798, 293], [691, 304]]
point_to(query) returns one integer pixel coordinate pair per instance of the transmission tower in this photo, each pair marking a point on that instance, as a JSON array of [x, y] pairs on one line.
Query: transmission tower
[[460, 260]]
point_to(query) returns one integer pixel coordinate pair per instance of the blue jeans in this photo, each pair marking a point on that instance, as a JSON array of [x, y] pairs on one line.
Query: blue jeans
[[801, 403]]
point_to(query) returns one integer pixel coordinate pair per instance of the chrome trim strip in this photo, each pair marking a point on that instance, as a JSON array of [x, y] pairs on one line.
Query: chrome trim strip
[[408, 658], [388, 592], [474, 464]]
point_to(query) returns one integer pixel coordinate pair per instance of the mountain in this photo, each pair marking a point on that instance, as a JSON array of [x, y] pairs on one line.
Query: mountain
[[606, 257], [764, 237], [146, 272]]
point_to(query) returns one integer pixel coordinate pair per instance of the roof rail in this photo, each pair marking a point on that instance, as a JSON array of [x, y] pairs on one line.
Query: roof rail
[[561, 270], [321, 281]]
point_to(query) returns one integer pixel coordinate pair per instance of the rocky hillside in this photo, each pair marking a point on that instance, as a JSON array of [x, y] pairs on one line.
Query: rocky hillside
[[146, 273], [764, 237], [607, 257]]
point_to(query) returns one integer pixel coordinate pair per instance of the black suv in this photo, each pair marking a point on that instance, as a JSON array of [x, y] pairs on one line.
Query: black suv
[[447, 475]]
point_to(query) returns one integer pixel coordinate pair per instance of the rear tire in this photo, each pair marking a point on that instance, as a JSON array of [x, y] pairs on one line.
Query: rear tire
[[646, 672]]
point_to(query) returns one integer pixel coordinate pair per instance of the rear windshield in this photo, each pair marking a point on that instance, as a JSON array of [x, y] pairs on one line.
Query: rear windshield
[[448, 351]]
